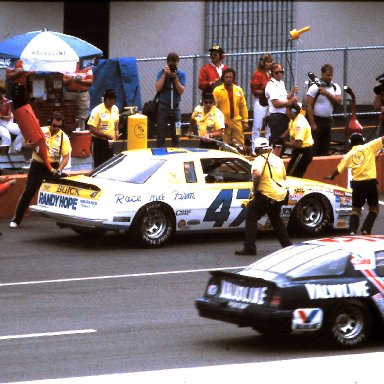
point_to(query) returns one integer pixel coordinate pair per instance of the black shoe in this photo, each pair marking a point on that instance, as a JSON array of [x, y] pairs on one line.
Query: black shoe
[[246, 252]]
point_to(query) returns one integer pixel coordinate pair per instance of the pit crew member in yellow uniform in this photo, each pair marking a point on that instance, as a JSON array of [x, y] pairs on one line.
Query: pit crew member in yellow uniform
[[104, 127], [361, 159], [59, 150], [300, 140], [207, 121], [269, 190], [231, 101]]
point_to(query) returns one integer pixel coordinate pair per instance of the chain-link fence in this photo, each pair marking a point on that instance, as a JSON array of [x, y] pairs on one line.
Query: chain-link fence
[[356, 67]]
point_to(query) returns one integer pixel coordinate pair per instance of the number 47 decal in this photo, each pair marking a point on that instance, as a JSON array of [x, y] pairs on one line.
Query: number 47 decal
[[220, 208]]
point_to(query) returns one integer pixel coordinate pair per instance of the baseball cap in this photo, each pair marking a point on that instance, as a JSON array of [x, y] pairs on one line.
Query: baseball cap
[[262, 143], [217, 48]]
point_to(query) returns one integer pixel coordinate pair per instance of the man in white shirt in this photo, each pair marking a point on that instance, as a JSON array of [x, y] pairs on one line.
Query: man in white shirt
[[278, 101], [320, 101]]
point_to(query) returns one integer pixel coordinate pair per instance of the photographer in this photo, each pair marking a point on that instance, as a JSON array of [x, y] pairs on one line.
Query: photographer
[[170, 86], [320, 100], [378, 103]]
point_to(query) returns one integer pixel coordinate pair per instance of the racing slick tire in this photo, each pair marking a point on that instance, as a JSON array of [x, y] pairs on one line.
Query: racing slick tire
[[347, 325], [311, 215], [153, 225]]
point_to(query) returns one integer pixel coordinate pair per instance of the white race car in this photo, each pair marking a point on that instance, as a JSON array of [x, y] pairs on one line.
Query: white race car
[[156, 192]]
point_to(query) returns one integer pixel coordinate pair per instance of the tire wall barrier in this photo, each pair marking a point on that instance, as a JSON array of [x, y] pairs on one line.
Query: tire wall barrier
[[320, 167]]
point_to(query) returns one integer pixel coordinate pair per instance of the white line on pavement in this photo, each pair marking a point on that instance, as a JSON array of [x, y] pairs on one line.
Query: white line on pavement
[[117, 276], [48, 334]]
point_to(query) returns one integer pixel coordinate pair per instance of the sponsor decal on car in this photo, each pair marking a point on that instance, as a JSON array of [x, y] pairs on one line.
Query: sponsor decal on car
[[333, 291], [120, 198], [60, 201], [183, 195], [160, 197], [183, 212], [307, 319], [361, 262], [254, 295], [70, 190]]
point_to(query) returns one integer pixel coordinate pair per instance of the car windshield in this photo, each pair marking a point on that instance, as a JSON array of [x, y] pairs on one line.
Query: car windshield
[[130, 170], [305, 260]]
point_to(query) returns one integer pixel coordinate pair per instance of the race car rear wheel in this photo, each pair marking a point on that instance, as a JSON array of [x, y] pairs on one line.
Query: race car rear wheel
[[311, 215], [348, 325], [153, 225]]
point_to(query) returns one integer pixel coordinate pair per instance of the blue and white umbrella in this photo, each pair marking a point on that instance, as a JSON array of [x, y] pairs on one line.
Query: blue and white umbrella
[[48, 51]]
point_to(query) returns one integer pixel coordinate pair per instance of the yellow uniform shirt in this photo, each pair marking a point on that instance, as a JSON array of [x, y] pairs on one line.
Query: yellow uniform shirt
[[299, 129], [361, 160], [240, 110], [269, 186], [53, 146], [104, 120], [209, 122]]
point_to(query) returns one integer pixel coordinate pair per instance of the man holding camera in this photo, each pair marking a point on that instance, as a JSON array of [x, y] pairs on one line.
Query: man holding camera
[[322, 96], [170, 86]]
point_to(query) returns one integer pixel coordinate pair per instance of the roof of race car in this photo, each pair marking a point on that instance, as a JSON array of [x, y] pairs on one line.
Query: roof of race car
[[352, 243], [169, 152]]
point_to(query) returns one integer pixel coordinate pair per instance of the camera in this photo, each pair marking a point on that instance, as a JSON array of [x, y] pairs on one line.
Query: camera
[[379, 88], [172, 67], [314, 79]]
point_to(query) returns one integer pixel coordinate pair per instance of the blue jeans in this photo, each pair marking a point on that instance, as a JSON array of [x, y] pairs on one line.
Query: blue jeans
[[164, 116]]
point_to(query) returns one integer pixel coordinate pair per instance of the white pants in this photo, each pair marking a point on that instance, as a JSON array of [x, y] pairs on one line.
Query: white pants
[[259, 113], [8, 128]]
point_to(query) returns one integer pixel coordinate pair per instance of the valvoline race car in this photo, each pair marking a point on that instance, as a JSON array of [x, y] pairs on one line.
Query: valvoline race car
[[332, 286], [154, 193]]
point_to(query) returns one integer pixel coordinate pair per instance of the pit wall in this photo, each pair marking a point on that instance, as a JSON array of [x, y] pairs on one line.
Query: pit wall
[[320, 167]]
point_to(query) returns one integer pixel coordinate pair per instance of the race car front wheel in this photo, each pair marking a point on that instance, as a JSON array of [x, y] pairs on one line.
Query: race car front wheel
[[348, 325], [311, 215], [153, 225]]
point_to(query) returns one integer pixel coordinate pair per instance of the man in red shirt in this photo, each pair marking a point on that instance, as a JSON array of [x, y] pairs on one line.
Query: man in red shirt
[[76, 89], [210, 73]]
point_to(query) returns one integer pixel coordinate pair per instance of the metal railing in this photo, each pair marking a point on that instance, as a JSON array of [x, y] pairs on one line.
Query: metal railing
[[356, 67]]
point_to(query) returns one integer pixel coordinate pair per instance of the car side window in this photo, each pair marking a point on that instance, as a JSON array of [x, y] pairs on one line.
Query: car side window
[[189, 172], [221, 170], [379, 263]]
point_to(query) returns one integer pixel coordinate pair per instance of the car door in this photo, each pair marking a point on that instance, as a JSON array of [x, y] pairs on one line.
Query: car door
[[220, 187]]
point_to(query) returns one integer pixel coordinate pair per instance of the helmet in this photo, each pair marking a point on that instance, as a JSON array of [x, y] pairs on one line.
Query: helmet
[[356, 139], [262, 143]]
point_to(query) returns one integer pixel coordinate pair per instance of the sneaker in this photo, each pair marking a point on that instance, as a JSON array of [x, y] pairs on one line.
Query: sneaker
[[13, 224], [246, 252], [352, 234], [364, 233]]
